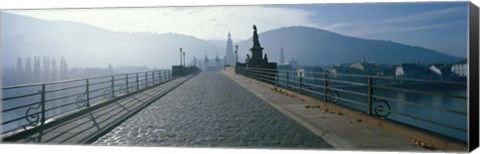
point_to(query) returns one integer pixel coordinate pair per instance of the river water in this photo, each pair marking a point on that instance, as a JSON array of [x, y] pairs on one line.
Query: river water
[[441, 114]]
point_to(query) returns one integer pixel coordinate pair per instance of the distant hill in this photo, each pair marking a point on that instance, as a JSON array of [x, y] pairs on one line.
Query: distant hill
[[220, 43], [311, 46], [84, 45]]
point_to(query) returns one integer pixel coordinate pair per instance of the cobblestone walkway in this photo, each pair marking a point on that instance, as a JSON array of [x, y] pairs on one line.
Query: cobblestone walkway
[[211, 110]]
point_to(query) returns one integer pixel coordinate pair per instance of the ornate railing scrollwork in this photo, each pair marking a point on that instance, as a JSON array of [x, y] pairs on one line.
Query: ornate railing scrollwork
[[36, 139], [81, 100], [142, 84], [381, 107], [33, 118], [107, 94], [123, 89], [134, 86], [332, 96], [57, 97]]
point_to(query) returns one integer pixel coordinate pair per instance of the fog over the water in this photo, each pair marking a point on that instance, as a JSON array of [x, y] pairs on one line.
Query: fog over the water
[[87, 46]]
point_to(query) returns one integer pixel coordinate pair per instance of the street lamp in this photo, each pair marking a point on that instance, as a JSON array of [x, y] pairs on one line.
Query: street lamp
[[194, 61], [184, 66], [184, 58], [236, 54], [180, 56]]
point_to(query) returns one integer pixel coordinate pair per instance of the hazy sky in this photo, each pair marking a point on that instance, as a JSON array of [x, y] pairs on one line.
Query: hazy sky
[[439, 26]]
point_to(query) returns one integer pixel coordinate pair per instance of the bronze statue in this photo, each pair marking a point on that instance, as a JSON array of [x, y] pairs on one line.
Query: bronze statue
[[256, 43]]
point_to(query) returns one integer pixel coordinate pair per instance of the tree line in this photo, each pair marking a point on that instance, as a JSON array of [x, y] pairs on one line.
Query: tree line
[[40, 69]]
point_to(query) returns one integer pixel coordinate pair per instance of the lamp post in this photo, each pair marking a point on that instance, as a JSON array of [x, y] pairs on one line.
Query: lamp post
[[184, 66], [236, 54], [180, 56], [194, 61]]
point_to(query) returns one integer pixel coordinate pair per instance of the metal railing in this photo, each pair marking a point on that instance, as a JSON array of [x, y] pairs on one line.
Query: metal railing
[[403, 100], [31, 105]]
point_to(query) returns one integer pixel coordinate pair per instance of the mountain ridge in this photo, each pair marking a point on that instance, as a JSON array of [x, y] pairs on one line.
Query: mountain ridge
[[78, 42], [317, 45]]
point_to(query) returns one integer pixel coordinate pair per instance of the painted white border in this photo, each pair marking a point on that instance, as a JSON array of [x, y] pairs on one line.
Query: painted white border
[[26, 4], [51, 149]]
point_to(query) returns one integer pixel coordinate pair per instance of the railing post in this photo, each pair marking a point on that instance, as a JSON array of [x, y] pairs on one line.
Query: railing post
[[277, 78], [245, 72], [370, 93], [42, 119], [253, 74], [325, 86], [42, 102], [159, 76], [301, 82], [138, 85], [126, 81], [166, 75], [286, 74], [146, 79], [113, 87], [153, 78], [87, 89], [261, 75]]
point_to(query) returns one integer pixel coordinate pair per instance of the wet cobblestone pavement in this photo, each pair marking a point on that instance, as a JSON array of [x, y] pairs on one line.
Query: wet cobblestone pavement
[[211, 110]]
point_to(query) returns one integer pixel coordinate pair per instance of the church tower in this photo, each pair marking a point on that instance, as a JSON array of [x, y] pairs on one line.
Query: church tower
[[282, 57], [229, 58], [206, 63]]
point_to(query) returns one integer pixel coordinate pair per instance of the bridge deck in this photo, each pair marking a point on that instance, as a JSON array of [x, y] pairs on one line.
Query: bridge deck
[[92, 124], [211, 110], [220, 110]]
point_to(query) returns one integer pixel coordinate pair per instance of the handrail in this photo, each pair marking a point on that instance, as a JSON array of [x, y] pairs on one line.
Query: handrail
[[330, 87], [29, 105], [391, 78], [73, 80]]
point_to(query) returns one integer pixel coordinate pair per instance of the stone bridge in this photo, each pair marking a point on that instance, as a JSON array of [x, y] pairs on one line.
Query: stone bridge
[[224, 109]]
